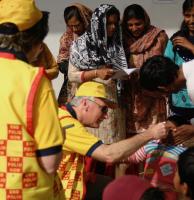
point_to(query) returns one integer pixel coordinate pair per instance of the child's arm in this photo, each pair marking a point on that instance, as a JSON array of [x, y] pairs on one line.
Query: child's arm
[[137, 157]]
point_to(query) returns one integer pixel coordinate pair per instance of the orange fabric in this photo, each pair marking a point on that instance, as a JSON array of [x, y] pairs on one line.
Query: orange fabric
[[153, 42], [72, 167], [30, 101], [7, 55]]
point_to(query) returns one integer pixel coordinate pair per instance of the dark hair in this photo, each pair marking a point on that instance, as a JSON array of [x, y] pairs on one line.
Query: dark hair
[[185, 165], [135, 11], [113, 11], [158, 71], [10, 37], [72, 11], [8, 28], [187, 5], [153, 194], [35, 34]]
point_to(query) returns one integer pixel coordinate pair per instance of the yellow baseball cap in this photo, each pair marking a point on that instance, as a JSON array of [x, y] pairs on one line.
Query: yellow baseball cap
[[95, 89], [22, 13]]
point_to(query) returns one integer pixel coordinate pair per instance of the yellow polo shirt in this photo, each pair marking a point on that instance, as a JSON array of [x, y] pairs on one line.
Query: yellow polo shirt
[[78, 144]]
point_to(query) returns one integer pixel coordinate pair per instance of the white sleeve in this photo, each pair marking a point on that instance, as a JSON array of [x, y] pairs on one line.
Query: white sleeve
[[74, 75], [188, 71]]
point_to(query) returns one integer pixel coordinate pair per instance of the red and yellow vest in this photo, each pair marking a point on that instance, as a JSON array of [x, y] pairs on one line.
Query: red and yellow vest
[[21, 177], [71, 169], [74, 170]]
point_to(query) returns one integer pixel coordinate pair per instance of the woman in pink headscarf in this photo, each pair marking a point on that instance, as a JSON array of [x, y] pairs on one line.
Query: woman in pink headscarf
[[141, 41]]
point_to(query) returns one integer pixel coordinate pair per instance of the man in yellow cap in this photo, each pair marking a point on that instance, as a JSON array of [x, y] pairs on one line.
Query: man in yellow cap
[[31, 138], [89, 108]]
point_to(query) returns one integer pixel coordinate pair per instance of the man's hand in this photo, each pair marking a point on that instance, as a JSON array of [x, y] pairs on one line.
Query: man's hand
[[158, 131]]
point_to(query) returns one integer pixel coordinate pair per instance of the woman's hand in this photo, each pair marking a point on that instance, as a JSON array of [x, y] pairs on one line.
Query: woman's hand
[[170, 125], [105, 73], [184, 134], [182, 41]]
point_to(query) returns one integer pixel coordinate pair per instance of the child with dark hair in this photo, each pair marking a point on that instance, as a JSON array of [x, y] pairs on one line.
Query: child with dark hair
[[184, 176], [162, 75]]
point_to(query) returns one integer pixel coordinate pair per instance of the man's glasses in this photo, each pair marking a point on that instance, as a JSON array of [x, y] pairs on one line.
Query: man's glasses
[[104, 109]]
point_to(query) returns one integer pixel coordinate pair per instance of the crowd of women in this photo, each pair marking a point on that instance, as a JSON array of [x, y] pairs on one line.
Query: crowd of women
[[97, 43], [98, 49]]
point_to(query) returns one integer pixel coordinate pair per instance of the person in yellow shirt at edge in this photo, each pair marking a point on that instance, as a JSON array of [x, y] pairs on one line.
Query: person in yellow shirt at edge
[[40, 55], [31, 137], [88, 109]]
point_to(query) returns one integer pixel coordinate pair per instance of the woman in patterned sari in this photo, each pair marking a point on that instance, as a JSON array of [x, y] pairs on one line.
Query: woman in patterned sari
[[77, 18]]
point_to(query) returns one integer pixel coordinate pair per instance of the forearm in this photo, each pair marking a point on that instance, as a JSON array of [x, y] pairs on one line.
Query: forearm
[[122, 149], [137, 157], [52, 73], [75, 75], [89, 75]]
